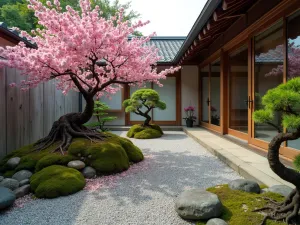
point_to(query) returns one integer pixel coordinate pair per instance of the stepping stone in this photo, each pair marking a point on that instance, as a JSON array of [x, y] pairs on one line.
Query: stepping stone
[[245, 185], [76, 164], [89, 172], [24, 182], [22, 175], [10, 183], [198, 204], [13, 162], [283, 190], [7, 198], [216, 221], [22, 191]]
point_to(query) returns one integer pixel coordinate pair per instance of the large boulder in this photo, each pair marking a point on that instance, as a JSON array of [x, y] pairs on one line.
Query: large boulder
[[13, 162], [76, 164], [244, 185], [197, 204], [55, 181], [22, 191], [7, 198], [283, 190], [216, 221], [145, 132], [22, 175], [10, 183], [88, 172]]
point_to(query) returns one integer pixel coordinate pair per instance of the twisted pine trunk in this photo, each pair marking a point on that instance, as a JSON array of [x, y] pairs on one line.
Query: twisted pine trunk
[[70, 126], [289, 208]]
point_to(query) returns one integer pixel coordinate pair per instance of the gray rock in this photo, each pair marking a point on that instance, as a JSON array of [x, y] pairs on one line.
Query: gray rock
[[7, 198], [1, 178], [13, 162], [245, 185], [283, 190], [22, 175], [10, 183], [22, 191], [24, 182], [197, 204], [89, 172], [76, 164], [216, 221]]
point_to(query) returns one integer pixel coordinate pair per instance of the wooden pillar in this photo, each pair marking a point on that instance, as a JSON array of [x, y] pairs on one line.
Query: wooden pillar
[[224, 92]]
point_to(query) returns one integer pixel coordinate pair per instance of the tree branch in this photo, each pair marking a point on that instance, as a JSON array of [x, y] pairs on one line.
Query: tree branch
[[275, 126]]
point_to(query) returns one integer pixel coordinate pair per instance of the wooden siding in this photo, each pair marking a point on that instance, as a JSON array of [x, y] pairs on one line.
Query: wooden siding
[[27, 116]]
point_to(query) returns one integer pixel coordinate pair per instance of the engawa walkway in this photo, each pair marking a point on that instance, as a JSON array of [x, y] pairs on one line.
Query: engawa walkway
[[247, 163], [143, 195]]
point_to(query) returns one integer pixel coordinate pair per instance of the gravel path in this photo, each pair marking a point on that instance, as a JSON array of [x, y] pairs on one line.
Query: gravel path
[[142, 195]]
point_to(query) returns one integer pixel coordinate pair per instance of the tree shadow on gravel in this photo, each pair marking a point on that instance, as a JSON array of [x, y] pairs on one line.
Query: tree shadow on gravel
[[167, 174]]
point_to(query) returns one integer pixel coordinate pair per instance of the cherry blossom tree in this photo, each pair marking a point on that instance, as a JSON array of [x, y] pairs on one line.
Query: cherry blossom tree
[[84, 52]]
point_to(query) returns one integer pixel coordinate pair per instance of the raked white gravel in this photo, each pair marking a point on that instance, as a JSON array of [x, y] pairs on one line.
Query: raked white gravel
[[143, 195]]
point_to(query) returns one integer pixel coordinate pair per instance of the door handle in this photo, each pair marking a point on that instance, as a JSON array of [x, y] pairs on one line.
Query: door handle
[[249, 102], [208, 101]]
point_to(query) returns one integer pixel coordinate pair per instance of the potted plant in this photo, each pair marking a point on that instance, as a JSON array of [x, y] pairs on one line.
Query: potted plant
[[215, 119], [190, 118]]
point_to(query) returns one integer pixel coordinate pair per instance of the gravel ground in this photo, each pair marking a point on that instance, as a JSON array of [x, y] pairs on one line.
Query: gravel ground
[[142, 195]]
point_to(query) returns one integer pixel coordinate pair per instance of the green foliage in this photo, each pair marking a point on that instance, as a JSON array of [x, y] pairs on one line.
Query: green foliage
[[16, 14], [100, 109], [145, 132], [53, 159], [296, 162], [284, 99], [55, 181], [238, 206]]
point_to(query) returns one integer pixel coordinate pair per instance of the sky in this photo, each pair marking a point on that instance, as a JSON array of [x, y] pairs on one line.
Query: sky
[[168, 17]]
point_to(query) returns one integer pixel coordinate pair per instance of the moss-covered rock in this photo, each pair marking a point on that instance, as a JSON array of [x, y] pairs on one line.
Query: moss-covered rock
[[148, 132], [239, 206], [53, 159], [55, 181]]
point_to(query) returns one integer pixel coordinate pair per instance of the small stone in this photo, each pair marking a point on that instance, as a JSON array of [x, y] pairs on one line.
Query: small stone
[[10, 183], [79, 154], [216, 221], [198, 204], [1, 178], [7, 198], [245, 185], [22, 175], [82, 158], [13, 162], [24, 182], [89, 156], [22, 191], [76, 164], [89, 172], [283, 190]]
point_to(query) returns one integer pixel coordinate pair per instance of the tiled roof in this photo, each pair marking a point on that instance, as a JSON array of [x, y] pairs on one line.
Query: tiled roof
[[272, 56], [168, 46]]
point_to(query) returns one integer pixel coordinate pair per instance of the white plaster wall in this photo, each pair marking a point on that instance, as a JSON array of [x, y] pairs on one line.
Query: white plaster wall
[[189, 89]]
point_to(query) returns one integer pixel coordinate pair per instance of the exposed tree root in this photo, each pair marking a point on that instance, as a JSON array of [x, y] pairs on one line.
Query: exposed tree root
[[64, 130], [282, 211]]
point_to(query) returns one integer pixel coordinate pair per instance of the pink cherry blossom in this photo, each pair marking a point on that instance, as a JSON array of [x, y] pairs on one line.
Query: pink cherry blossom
[[71, 45]]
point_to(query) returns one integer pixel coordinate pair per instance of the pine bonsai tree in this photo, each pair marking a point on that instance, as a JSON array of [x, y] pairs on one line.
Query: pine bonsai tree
[[284, 99], [147, 98]]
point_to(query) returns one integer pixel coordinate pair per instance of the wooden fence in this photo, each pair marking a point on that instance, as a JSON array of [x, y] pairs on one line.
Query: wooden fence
[[28, 116]]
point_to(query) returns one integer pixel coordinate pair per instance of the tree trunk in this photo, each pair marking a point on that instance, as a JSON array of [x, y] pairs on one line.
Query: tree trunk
[[287, 210], [147, 121], [68, 127]]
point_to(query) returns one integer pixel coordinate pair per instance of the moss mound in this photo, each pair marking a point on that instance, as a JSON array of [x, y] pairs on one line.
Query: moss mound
[[111, 155], [238, 206], [140, 132], [55, 181]]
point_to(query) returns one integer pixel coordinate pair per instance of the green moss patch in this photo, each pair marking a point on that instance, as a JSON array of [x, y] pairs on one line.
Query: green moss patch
[[55, 181], [238, 206], [53, 159], [140, 132]]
